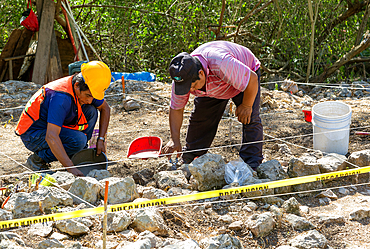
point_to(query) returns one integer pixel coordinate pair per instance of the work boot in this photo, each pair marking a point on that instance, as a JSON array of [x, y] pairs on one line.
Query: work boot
[[36, 163]]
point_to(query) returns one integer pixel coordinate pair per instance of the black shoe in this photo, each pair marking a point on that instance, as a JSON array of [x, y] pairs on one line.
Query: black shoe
[[35, 163]]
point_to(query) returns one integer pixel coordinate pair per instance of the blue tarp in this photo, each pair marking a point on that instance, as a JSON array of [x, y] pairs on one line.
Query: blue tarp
[[141, 76]]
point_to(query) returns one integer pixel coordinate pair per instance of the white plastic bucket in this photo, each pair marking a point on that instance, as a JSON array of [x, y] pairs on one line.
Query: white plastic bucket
[[331, 121]]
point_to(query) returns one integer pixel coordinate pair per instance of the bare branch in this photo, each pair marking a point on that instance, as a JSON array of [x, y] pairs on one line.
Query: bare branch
[[251, 13], [221, 19]]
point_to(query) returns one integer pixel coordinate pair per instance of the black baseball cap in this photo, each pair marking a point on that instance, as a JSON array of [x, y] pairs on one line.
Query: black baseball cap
[[182, 69]]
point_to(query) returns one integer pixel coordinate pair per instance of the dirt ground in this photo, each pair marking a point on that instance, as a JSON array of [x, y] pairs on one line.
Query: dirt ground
[[200, 220]]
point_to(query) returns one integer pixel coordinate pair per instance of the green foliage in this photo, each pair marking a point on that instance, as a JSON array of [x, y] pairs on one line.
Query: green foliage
[[144, 35]]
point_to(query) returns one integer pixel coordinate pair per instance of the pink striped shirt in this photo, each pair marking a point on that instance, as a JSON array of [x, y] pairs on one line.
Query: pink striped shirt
[[227, 67]]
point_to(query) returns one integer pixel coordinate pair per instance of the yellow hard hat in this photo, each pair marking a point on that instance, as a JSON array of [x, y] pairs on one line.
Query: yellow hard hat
[[97, 77]]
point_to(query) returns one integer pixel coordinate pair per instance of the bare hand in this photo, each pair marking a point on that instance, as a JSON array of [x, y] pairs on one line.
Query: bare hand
[[244, 113], [171, 147], [100, 147], [75, 171]]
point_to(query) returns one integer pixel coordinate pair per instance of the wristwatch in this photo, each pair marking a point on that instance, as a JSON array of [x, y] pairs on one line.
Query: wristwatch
[[101, 138]]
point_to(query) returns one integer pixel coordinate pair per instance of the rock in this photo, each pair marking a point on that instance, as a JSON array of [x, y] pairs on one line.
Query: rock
[[359, 158], [236, 225], [168, 179], [41, 229], [310, 239], [131, 104], [298, 223], [261, 225], [120, 190], [209, 171], [278, 214], [327, 193], [99, 174], [50, 243], [187, 244], [149, 219], [143, 177], [359, 214], [140, 244], [221, 241], [332, 162], [117, 221], [324, 201], [5, 215], [251, 205], [154, 240], [59, 236], [86, 188], [272, 170], [286, 247], [179, 191], [11, 236], [71, 227], [64, 179], [28, 204], [306, 165], [323, 219], [226, 218], [304, 209], [109, 245], [252, 180], [154, 193], [343, 191], [291, 206]]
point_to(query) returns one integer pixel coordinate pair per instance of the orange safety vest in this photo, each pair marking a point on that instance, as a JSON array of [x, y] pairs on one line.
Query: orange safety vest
[[31, 112]]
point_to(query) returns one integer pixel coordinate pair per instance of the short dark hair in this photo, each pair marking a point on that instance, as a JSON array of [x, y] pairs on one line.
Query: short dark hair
[[77, 78], [198, 65]]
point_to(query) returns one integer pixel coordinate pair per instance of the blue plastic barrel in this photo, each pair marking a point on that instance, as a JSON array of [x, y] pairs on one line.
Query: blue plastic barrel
[[139, 76]]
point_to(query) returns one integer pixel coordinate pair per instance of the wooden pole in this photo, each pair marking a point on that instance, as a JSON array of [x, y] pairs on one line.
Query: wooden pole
[[105, 215]]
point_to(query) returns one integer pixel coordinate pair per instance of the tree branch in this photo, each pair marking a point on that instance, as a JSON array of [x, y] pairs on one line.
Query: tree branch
[[123, 7], [345, 59]]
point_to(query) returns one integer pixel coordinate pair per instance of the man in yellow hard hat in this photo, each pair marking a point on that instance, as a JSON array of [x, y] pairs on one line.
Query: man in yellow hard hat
[[60, 117]]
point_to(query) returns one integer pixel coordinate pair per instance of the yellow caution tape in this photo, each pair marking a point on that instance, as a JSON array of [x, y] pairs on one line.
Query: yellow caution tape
[[183, 198]]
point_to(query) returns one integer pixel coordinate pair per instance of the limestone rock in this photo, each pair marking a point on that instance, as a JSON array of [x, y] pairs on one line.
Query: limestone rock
[[311, 239], [221, 241], [168, 179], [306, 165], [28, 204], [64, 179], [120, 190], [299, 223], [209, 171], [262, 224], [272, 170], [149, 219], [71, 227], [86, 188], [99, 174]]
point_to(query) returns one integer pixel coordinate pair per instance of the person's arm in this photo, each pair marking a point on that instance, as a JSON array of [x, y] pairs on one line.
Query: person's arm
[[175, 119], [244, 110], [56, 146], [104, 110]]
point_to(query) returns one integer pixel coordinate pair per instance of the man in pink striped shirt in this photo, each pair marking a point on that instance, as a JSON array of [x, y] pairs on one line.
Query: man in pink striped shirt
[[215, 72]]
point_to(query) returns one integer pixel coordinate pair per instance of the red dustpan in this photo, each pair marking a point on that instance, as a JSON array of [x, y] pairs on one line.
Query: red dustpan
[[144, 148]]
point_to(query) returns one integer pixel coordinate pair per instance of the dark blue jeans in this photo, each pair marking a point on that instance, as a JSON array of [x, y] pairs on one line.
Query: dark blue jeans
[[204, 120], [73, 141]]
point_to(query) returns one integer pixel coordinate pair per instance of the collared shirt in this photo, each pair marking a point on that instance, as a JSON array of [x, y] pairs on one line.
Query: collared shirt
[[227, 67]]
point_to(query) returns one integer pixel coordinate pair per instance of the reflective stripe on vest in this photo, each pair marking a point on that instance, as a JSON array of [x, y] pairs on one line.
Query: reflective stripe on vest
[[31, 112]]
